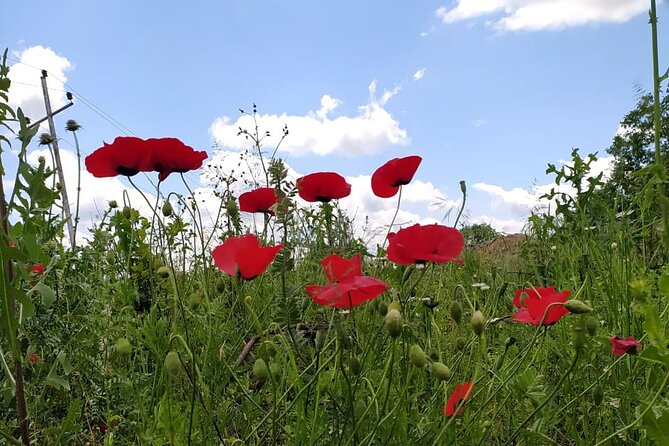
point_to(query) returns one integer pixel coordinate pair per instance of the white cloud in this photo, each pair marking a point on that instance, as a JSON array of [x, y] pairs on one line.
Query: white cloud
[[26, 88], [418, 75], [371, 130], [479, 122], [506, 226], [513, 15]]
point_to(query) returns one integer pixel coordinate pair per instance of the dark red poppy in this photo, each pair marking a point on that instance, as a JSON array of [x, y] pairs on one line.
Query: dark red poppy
[[33, 358], [244, 257], [533, 303], [323, 187], [422, 244], [127, 155], [171, 155], [460, 394], [258, 200], [624, 345], [348, 287], [397, 172], [38, 268]]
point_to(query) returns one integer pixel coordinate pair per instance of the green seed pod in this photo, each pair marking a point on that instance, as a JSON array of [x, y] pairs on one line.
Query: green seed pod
[[393, 322], [434, 354], [319, 342], [478, 322], [113, 204], [578, 339], [417, 356], [591, 326], [194, 301], [440, 371], [395, 305], [220, 285], [355, 366], [460, 344], [260, 370], [172, 363], [72, 126], [163, 272], [167, 209], [123, 347], [456, 311], [383, 307], [127, 212], [597, 395], [275, 371], [577, 307]]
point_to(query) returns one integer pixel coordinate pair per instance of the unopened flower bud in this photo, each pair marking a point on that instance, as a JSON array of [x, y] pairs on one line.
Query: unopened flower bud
[[578, 339], [113, 204], [417, 356], [509, 342], [355, 366], [478, 322], [394, 305], [393, 322], [577, 307], [194, 301], [123, 347], [269, 349], [383, 308], [597, 395], [319, 341], [220, 285], [172, 363], [591, 326], [260, 370], [456, 311], [434, 354], [440, 371], [45, 139], [460, 344], [167, 209], [127, 212], [275, 371], [72, 126]]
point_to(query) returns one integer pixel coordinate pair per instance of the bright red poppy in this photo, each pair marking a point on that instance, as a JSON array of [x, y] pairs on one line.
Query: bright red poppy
[[397, 172], [624, 345], [258, 200], [533, 303], [127, 155], [171, 155], [460, 394], [38, 268], [244, 257], [348, 287], [323, 187], [419, 244]]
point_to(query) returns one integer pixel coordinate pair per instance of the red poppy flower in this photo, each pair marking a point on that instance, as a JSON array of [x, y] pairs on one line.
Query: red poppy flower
[[348, 287], [397, 172], [258, 200], [33, 358], [421, 244], [323, 187], [533, 306], [244, 257], [624, 345], [38, 268], [460, 394], [171, 155], [127, 155]]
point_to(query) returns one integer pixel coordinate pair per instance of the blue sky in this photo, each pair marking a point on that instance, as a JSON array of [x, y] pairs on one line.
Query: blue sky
[[488, 96]]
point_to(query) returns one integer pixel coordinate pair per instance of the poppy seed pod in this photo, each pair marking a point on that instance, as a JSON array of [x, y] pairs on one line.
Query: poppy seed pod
[[393, 322], [45, 139], [577, 307], [456, 311], [478, 322], [123, 347], [72, 126], [591, 326], [440, 371], [260, 370], [167, 209], [172, 363], [113, 204], [417, 356]]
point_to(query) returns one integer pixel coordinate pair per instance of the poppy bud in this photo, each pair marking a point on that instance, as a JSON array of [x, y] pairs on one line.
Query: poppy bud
[[440, 371], [45, 139], [127, 213], [72, 126], [220, 285], [194, 301], [342, 334], [123, 347], [393, 323], [499, 362], [275, 371], [113, 204], [509, 342], [460, 344], [463, 186], [417, 356], [478, 322], [260, 370], [591, 326], [360, 408], [577, 307], [320, 341], [578, 339], [324, 382], [355, 366], [394, 305], [269, 349], [434, 354], [167, 209], [456, 311], [163, 272], [597, 395], [383, 307], [172, 363]]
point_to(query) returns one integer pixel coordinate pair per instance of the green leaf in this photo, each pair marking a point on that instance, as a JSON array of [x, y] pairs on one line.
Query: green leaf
[[663, 283], [657, 427], [48, 295]]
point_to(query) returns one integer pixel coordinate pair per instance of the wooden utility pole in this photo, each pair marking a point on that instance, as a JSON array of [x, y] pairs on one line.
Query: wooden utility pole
[[56, 155]]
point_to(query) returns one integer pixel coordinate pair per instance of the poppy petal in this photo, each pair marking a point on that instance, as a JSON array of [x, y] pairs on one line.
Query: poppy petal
[[323, 187], [258, 200], [338, 268], [387, 179]]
